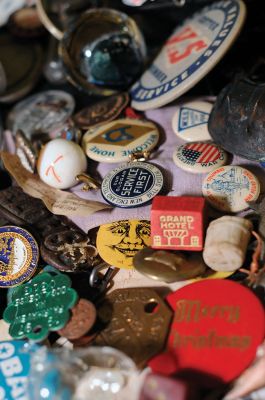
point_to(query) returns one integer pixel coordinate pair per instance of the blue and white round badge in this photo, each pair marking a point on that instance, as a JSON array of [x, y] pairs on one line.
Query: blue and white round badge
[[189, 54], [14, 370], [19, 255], [132, 185], [190, 121]]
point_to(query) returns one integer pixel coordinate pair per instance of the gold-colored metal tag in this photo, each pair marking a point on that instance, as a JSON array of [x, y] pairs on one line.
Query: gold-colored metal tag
[[139, 156], [135, 321], [89, 182]]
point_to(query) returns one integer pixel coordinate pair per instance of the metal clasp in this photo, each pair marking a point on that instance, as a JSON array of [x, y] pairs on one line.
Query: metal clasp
[[179, 3], [139, 156], [98, 282], [89, 182]]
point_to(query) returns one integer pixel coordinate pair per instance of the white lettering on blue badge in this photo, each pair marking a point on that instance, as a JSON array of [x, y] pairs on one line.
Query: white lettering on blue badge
[[14, 369], [189, 54], [189, 117], [132, 185]]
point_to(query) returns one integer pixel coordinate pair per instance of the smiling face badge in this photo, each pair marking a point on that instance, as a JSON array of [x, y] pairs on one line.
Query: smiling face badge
[[118, 242]]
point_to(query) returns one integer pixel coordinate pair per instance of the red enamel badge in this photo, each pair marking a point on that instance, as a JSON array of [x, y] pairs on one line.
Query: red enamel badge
[[217, 327]]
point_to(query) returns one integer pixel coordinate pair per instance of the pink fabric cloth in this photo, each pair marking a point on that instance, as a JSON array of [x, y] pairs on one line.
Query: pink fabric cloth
[[9, 144], [177, 181]]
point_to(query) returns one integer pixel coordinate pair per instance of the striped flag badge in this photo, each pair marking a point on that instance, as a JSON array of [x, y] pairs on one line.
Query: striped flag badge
[[199, 157], [201, 152]]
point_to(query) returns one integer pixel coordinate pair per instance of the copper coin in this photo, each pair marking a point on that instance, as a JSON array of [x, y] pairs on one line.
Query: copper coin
[[82, 319], [101, 112]]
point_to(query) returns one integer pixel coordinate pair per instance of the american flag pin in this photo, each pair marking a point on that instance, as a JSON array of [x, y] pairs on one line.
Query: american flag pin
[[199, 157]]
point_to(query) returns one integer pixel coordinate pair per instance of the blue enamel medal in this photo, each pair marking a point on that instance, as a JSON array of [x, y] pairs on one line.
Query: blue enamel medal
[[19, 254], [132, 185]]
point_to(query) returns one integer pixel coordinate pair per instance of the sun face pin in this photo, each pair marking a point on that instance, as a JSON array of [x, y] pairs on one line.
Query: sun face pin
[[120, 241]]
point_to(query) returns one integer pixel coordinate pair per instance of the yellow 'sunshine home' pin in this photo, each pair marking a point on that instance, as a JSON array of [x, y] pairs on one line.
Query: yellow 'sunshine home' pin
[[119, 241]]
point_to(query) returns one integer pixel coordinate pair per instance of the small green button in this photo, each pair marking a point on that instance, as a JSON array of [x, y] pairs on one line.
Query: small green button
[[40, 306]]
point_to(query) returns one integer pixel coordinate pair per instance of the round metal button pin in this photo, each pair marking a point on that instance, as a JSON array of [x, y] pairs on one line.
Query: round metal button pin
[[189, 54], [19, 255], [230, 188], [190, 121], [132, 185], [41, 113], [102, 111], [116, 141], [199, 157]]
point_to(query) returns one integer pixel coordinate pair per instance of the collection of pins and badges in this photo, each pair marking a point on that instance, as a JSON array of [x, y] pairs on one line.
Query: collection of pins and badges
[[196, 326]]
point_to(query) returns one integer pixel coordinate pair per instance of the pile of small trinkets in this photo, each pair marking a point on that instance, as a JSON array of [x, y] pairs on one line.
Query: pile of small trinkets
[[132, 217]]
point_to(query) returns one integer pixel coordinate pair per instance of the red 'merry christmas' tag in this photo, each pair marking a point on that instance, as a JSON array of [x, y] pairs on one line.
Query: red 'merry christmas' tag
[[216, 329]]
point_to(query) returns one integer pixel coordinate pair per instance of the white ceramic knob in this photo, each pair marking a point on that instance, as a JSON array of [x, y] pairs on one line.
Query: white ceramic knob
[[59, 162], [226, 243]]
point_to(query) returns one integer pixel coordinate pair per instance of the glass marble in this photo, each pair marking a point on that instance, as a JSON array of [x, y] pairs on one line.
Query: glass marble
[[103, 51]]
